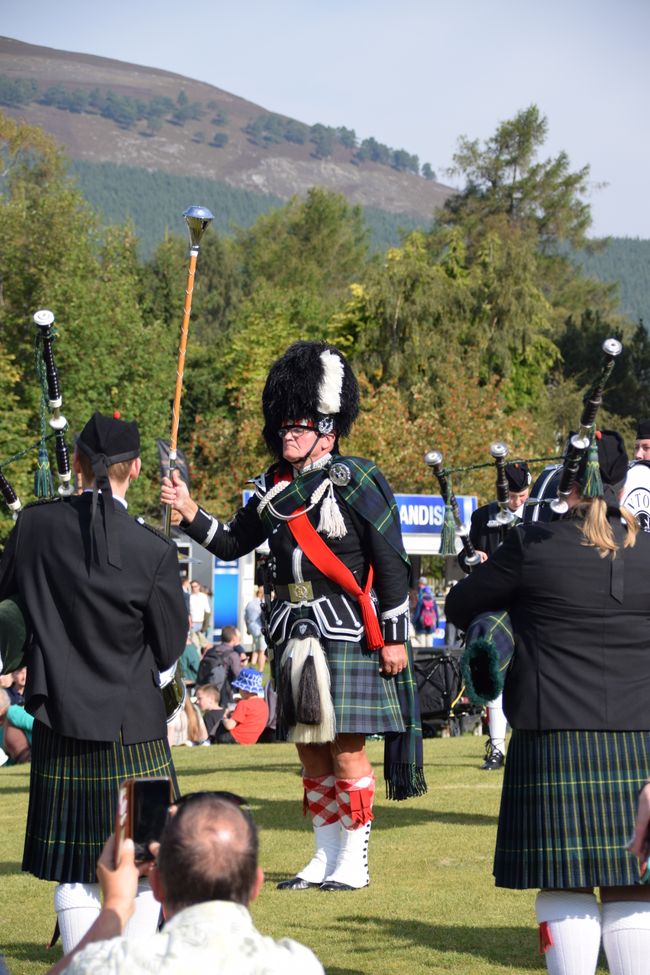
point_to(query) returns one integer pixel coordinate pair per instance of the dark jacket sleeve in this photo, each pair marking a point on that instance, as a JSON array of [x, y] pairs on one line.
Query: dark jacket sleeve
[[491, 586], [231, 540], [166, 616]]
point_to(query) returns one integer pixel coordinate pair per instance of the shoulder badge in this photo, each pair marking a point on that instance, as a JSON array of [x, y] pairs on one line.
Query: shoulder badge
[[340, 474]]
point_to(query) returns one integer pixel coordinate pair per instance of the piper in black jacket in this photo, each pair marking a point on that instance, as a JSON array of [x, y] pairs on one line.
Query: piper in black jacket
[[486, 540], [576, 695], [106, 613]]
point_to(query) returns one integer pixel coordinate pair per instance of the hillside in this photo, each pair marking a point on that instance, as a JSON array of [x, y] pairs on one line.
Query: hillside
[[189, 128], [145, 142]]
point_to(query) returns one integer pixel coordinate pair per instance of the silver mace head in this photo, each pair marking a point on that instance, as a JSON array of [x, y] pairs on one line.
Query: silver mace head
[[198, 220]]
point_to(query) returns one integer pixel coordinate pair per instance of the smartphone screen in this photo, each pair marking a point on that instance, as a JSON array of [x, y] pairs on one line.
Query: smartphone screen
[[141, 813]]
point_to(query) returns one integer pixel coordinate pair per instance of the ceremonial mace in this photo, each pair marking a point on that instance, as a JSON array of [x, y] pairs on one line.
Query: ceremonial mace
[[580, 441], [433, 459], [197, 219]]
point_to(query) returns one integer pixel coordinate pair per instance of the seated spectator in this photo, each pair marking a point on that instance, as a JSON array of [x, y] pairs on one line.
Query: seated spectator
[[189, 663], [187, 727], [15, 731], [207, 698], [221, 664], [205, 875], [17, 688], [245, 724]]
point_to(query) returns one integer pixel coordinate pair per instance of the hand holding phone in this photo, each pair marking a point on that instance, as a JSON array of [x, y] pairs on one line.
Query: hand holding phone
[[142, 808]]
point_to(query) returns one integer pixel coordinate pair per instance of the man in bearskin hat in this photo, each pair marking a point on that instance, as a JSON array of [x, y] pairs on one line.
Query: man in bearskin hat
[[105, 612], [339, 623], [486, 536]]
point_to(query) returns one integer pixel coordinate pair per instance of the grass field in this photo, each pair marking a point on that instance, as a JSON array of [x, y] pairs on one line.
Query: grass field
[[431, 906]]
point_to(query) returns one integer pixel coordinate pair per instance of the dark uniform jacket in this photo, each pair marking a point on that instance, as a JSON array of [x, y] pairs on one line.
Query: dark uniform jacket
[[483, 539], [99, 635], [582, 657], [336, 614]]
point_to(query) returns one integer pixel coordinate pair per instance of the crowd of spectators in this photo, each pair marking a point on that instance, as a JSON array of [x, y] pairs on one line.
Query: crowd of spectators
[[15, 723]]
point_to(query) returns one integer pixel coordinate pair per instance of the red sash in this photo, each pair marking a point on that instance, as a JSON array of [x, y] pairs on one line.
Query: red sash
[[320, 554]]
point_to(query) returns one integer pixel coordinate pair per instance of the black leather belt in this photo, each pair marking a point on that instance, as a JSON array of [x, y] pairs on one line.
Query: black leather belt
[[298, 592]]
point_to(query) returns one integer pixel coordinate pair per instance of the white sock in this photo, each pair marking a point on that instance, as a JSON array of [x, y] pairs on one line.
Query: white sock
[[626, 936], [497, 724], [77, 907], [144, 921], [574, 925]]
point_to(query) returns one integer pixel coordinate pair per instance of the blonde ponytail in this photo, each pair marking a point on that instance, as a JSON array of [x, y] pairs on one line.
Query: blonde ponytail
[[596, 529]]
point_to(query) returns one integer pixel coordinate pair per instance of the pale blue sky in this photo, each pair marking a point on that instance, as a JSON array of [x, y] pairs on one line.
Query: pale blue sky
[[414, 74]]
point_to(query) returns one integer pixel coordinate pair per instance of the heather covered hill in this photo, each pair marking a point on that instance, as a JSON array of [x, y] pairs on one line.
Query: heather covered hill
[[103, 110]]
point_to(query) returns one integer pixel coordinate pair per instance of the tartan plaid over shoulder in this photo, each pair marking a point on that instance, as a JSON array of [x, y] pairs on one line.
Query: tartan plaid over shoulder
[[367, 493]]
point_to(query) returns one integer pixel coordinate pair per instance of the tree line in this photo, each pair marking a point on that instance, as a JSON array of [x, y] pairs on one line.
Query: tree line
[[263, 130], [479, 328]]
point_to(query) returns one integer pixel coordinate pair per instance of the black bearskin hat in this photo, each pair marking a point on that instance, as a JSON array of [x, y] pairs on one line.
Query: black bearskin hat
[[311, 381]]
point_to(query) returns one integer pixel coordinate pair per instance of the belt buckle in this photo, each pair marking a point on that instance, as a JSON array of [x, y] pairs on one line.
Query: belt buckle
[[300, 591]]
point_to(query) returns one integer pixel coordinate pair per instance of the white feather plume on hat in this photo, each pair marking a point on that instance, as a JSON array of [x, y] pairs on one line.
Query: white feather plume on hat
[[329, 390]]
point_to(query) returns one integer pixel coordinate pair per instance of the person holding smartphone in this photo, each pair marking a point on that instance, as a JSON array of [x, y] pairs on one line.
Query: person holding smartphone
[[105, 613], [576, 695]]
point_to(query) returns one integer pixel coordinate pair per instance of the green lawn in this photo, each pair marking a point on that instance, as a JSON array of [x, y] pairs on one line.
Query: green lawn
[[431, 906]]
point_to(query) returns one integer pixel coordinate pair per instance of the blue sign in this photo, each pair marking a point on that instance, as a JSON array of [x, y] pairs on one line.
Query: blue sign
[[423, 514]]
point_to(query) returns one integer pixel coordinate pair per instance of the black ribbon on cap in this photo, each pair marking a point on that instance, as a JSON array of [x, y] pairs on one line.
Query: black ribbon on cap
[[100, 464]]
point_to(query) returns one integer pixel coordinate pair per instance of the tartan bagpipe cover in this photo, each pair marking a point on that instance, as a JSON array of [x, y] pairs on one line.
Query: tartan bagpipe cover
[[489, 645]]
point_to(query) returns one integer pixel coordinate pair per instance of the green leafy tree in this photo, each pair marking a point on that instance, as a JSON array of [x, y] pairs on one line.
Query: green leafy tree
[[109, 355], [505, 176]]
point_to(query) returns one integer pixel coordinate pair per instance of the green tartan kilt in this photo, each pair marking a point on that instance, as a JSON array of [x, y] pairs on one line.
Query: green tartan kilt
[[364, 702], [568, 808], [73, 798]]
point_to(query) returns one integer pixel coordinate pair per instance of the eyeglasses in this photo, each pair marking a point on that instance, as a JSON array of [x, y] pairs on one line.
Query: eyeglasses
[[295, 431]]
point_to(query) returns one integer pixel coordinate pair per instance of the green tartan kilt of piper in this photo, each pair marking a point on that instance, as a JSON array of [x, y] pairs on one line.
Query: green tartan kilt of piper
[[73, 798], [568, 808], [364, 702]]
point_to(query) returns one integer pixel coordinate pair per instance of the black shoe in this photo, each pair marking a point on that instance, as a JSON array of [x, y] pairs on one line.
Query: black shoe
[[296, 883], [335, 885], [494, 758]]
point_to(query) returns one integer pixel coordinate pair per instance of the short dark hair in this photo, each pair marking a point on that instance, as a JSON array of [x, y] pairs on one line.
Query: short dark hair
[[208, 852], [227, 633]]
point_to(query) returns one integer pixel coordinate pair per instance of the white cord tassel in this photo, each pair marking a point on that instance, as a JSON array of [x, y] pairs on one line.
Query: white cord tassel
[[331, 521], [310, 734]]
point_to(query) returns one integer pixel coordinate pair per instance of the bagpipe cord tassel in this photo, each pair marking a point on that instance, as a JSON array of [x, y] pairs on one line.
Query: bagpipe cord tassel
[[592, 485], [448, 537], [43, 484]]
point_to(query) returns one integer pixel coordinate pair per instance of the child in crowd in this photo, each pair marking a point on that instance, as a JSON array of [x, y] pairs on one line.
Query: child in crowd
[[245, 724]]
